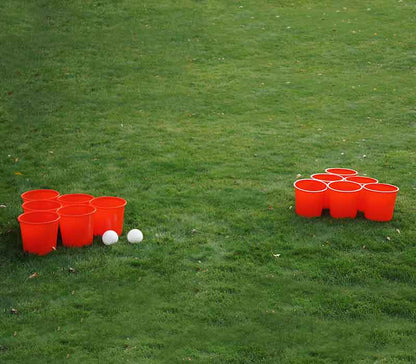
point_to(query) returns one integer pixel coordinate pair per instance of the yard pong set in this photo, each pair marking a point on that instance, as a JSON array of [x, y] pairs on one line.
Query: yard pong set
[[345, 193], [79, 217]]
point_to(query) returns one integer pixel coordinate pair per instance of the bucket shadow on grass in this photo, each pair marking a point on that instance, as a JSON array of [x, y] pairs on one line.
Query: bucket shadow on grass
[[11, 248], [96, 245], [349, 232], [326, 216]]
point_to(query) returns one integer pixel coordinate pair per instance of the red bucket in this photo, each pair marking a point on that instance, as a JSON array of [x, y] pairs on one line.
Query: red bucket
[[327, 178], [35, 195], [109, 215], [362, 181], [41, 205], [344, 172], [75, 199], [343, 199], [77, 225], [39, 231], [309, 197], [379, 201]]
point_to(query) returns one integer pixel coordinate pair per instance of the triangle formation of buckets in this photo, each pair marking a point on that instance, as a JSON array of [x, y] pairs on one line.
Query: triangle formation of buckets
[[79, 217], [344, 193]]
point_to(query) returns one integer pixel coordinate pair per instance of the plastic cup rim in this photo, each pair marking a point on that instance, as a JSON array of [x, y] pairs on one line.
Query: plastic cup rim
[[375, 180], [62, 197], [122, 200], [76, 215], [396, 189], [332, 174], [309, 179], [19, 218], [347, 169], [343, 191], [39, 199], [24, 205]]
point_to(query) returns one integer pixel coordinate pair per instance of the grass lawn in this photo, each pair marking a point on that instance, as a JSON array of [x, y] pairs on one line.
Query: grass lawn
[[201, 113]]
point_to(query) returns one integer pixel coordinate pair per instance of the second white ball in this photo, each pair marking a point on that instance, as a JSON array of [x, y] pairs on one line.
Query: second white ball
[[135, 236]]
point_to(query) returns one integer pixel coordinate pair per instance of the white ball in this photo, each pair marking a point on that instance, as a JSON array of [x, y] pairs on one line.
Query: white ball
[[110, 237], [135, 236]]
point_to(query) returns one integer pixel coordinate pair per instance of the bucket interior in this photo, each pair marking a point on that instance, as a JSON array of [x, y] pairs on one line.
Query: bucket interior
[[40, 195], [344, 186], [327, 177], [381, 187], [41, 205], [76, 210], [310, 185], [38, 217], [75, 198], [108, 202], [361, 180], [342, 171]]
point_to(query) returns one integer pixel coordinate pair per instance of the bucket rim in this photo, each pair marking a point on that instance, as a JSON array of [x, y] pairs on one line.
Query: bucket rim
[[374, 180], [345, 169], [26, 193], [332, 188], [21, 217], [94, 210], [368, 187], [66, 195], [27, 204], [310, 179], [327, 174], [122, 201]]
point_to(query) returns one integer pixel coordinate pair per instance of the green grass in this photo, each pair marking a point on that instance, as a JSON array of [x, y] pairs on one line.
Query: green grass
[[201, 114]]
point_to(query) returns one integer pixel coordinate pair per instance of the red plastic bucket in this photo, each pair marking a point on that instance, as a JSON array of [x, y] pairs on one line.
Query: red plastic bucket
[[41, 205], [379, 201], [309, 197], [109, 215], [77, 225], [362, 181], [75, 199], [35, 195], [343, 199], [344, 172], [39, 231], [327, 178]]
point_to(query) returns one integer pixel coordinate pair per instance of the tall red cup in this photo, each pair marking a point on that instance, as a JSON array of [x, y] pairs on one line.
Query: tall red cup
[[362, 181], [327, 178], [77, 225], [39, 231], [343, 199], [309, 197], [109, 214], [379, 201]]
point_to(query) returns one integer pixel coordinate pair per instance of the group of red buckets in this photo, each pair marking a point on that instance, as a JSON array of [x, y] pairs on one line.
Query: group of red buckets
[[345, 193], [78, 216]]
